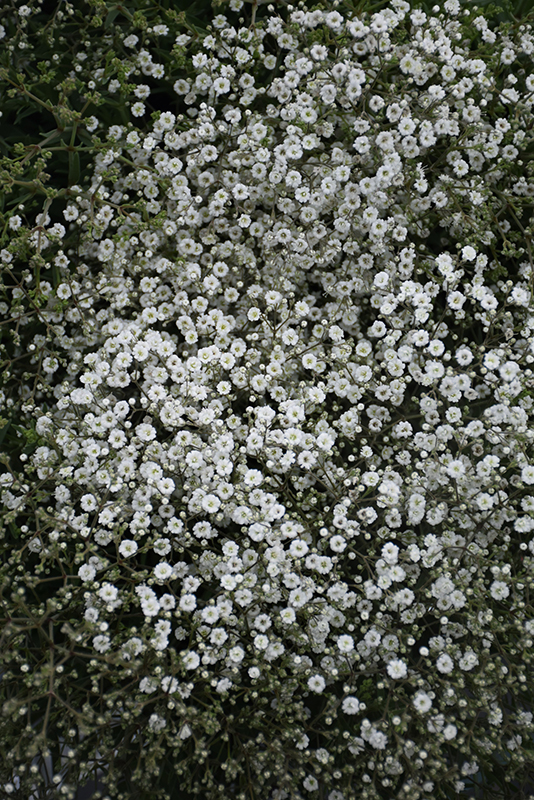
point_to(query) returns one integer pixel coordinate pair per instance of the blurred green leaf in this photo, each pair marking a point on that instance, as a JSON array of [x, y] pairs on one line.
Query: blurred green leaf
[[113, 14], [4, 429], [74, 167]]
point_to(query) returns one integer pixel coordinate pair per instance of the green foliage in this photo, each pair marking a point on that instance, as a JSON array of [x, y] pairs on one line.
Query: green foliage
[[59, 697]]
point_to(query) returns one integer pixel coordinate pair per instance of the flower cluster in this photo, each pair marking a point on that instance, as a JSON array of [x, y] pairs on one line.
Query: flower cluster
[[283, 424]]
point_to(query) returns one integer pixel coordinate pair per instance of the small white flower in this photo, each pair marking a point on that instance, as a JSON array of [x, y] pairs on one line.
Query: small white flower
[[449, 732], [236, 654], [145, 432], [456, 468], [445, 663], [108, 592], [338, 543], [166, 486], [228, 582], [190, 659], [150, 607], [223, 685], [345, 643], [253, 477], [469, 253], [101, 643], [163, 572], [138, 109], [298, 548], [128, 548], [188, 602], [351, 705], [309, 360], [422, 702], [287, 616], [397, 669], [390, 553], [86, 572], [211, 503], [316, 683], [485, 501], [527, 474], [15, 222], [221, 86], [499, 590], [254, 314], [88, 502]]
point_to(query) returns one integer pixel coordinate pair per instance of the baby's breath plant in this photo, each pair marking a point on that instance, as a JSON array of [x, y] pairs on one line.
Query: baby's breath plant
[[267, 386]]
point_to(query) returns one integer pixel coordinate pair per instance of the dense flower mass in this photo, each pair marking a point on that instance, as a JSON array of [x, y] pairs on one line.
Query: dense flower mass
[[280, 464]]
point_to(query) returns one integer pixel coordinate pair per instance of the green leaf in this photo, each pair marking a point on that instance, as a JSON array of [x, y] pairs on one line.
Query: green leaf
[[56, 276], [26, 111], [74, 167], [110, 17], [196, 25], [4, 429], [23, 198], [14, 530]]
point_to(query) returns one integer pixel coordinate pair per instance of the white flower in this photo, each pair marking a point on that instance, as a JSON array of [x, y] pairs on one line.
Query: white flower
[[422, 702], [325, 441], [166, 486], [350, 705], [309, 360], [318, 52], [156, 723], [254, 314], [236, 654], [445, 663], [253, 477], [101, 643], [378, 740], [345, 643], [287, 616], [188, 602], [87, 572], [527, 474], [499, 590], [146, 432], [261, 641], [468, 660], [485, 501], [301, 308], [298, 548], [223, 685], [316, 683], [338, 543], [469, 253], [138, 109], [228, 582], [108, 592], [211, 503], [163, 572], [128, 547], [150, 606], [390, 553], [190, 659], [397, 669], [449, 732]]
